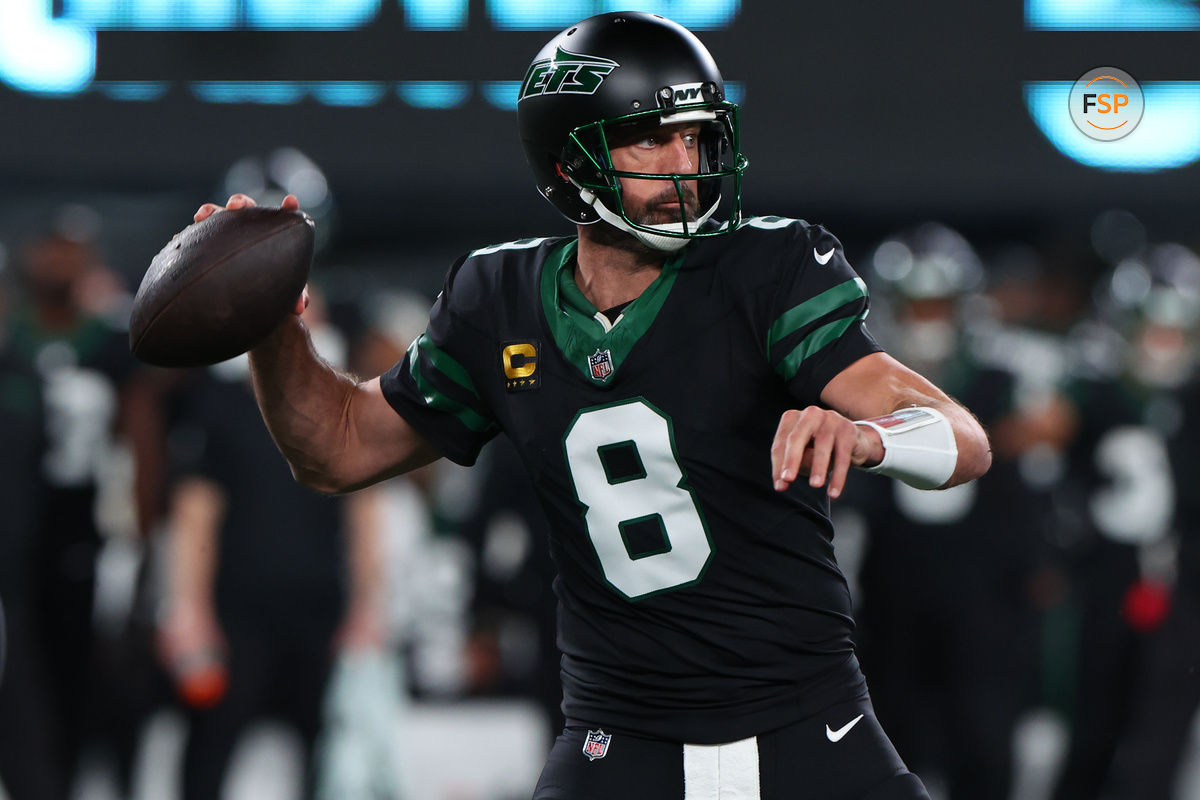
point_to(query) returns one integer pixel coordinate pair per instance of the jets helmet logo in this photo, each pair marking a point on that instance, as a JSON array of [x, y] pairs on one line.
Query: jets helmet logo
[[566, 73]]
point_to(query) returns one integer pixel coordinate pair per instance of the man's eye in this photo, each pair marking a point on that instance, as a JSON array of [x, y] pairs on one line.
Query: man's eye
[[691, 140], [648, 142]]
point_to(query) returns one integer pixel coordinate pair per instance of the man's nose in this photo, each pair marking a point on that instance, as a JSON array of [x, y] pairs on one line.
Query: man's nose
[[682, 157]]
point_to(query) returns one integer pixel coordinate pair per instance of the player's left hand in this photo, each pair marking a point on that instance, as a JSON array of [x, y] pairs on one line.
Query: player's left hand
[[822, 444]]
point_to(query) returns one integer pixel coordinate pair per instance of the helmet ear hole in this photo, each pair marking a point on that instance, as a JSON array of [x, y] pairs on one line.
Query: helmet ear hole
[[570, 165]]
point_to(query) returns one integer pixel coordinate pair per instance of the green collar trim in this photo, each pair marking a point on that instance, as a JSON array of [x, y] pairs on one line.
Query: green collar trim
[[594, 348]]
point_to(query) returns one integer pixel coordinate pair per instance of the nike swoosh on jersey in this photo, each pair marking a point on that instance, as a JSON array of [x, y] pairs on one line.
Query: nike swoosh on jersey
[[836, 736], [823, 258]]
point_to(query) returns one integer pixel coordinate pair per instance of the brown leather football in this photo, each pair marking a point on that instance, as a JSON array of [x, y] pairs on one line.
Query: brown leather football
[[220, 286]]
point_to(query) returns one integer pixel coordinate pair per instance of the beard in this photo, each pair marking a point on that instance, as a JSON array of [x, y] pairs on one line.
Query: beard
[[662, 209]]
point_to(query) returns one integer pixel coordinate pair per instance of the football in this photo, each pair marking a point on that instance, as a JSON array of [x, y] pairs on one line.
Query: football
[[220, 286]]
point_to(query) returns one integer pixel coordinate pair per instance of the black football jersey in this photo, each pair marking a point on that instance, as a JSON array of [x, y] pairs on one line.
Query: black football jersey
[[696, 603]]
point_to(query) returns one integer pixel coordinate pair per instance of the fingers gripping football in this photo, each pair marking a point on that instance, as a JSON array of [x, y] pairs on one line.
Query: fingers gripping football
[[236, 201], [822, 444]]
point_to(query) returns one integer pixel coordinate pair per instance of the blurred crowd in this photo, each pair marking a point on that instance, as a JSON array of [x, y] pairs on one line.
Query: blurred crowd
[[156, 554], [1065, 578]]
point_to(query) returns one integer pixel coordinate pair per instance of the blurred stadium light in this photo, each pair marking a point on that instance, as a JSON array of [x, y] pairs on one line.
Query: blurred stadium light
[[1167, 138], [1112, 15], [51, 48]]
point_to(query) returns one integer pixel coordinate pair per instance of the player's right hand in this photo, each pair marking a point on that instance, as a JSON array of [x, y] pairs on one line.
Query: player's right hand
[[824, 445], [194, 650], [186, 629], [236, 201]]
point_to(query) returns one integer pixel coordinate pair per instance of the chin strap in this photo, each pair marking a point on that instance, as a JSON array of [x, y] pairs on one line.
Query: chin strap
[[665, 243]]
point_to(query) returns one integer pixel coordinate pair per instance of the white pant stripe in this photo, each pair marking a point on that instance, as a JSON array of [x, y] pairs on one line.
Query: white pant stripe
[[721, 771]]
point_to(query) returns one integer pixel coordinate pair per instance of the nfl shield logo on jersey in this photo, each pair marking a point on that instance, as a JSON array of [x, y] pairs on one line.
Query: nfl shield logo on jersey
[[600, 364], [596, 744]]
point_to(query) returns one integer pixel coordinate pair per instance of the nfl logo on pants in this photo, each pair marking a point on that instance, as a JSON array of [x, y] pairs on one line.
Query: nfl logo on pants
[[596, 744]]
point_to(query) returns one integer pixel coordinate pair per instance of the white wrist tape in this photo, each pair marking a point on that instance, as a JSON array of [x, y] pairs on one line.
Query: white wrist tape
[[918, 446]]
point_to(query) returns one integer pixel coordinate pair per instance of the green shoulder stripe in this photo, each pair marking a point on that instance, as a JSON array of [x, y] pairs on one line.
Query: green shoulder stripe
[[814, 308], [444, 363], [435, 398], [812, 343]]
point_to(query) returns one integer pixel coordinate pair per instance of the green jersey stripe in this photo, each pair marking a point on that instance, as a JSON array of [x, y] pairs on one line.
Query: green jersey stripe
[[812, 343], [436, 399], [444, 363], [814, 308]]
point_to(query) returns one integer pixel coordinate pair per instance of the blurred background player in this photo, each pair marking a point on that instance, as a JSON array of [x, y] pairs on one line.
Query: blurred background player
[[266, 583], [429, 565], [1114, 509], [30, 757], [1166, 693], [64, 326], [947, 626], [266, 579], [1128, 485]]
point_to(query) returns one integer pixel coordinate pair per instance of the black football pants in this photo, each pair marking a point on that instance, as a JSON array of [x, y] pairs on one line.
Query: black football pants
[[835, 755]]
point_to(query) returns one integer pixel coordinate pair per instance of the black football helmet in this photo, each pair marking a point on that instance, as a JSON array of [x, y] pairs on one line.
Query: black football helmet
[[617, 70]]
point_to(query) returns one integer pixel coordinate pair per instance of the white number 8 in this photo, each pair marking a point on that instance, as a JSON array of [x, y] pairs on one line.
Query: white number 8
[[653, 495]]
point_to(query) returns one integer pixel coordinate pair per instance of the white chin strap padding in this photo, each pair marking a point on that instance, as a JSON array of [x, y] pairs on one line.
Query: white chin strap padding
[[667, 244]]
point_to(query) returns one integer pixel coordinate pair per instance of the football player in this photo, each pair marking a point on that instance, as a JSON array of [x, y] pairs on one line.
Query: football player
[[688, 395], [1128, 491]]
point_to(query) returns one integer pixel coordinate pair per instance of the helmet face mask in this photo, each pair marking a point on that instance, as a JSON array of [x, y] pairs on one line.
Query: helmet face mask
[[588, 164], [607, 81]]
